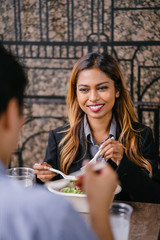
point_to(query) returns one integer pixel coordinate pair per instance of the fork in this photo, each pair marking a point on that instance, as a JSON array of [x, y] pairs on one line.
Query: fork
[[76, 174], [94, 159], [69, 177]]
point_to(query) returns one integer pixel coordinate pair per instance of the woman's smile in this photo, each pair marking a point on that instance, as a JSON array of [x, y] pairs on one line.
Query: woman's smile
[[96, 107]]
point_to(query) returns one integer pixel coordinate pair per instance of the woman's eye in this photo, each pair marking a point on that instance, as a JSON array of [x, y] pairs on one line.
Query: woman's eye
[[102, 88], [83, 90]]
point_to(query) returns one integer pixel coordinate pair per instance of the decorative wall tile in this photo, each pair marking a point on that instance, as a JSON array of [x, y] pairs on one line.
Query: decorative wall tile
[[53, 34]]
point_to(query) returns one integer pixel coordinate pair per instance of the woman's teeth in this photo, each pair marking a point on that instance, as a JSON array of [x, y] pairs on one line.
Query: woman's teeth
[[96, 107]]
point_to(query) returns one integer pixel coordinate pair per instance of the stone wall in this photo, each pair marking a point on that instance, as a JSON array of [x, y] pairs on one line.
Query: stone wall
[[33, 29]]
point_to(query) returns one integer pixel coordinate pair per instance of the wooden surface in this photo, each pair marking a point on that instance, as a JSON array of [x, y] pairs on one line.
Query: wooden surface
[[145, 221]]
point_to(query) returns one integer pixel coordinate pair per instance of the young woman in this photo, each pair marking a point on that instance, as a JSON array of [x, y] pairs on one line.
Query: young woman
[[99, 106]]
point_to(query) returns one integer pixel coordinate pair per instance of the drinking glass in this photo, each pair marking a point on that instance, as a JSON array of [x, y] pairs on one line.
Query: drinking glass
[[24, 175], [120, 214]]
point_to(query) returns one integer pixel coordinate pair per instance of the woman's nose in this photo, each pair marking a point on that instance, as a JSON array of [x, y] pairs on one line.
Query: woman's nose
[[93, 96]]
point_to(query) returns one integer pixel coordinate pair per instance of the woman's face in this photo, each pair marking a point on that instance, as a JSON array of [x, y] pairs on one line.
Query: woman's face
[[96, 93]]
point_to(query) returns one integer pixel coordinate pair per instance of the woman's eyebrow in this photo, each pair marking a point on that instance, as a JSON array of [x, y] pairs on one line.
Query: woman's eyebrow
[[84, 85], [102, 83]]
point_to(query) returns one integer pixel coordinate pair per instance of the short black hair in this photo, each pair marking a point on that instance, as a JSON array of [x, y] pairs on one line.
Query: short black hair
[[13, 79]]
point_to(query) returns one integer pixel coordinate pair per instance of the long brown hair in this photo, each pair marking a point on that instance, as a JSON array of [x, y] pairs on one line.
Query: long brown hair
[[123, 110]]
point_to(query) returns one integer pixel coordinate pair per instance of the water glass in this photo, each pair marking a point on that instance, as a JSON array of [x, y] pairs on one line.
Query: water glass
[[24, 175], [120, 214]]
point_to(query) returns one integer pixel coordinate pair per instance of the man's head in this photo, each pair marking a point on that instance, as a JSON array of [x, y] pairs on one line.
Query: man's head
[[13, 81]]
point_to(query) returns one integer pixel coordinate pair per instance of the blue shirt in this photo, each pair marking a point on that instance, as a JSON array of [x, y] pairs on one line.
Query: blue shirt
[[93, 146], [36, 214]]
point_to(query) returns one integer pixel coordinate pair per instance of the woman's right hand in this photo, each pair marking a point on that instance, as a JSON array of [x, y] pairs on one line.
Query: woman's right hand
[[43, 174]]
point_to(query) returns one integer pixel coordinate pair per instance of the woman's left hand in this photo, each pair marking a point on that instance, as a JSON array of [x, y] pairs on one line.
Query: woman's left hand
[[112, 149]]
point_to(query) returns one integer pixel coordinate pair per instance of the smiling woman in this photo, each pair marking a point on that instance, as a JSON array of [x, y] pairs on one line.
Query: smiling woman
[[99, 105], [97, 97]]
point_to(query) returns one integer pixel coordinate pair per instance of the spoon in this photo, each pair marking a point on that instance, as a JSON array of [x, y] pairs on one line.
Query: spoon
[[74, 175], [68, 177], [58, 184]]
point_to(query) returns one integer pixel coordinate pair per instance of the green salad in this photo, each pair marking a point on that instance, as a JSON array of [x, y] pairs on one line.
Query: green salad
[[72, 190]]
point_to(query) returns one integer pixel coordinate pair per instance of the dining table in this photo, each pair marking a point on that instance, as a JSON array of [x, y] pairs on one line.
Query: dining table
[[144, 223]]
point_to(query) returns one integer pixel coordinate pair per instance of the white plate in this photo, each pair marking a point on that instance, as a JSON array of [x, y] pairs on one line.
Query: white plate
[[79, 201]]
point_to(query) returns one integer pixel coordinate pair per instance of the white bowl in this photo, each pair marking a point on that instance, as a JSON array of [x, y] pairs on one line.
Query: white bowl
[[78, 201]]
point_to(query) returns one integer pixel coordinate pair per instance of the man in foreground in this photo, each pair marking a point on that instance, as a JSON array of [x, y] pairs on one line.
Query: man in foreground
[[34, 213]]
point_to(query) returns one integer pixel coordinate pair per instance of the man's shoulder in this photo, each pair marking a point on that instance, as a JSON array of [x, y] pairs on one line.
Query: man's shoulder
[[39, 197], [36, 211], [36, 196], [35, 201]]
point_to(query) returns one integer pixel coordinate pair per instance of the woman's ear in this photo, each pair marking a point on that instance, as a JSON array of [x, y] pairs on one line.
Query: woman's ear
[[117, 93]]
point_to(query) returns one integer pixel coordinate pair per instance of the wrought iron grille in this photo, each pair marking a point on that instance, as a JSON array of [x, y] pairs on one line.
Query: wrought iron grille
[[66, 30]]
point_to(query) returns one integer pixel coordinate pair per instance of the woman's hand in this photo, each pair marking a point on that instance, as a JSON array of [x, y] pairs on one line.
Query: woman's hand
[[43, 174], [112, 149]]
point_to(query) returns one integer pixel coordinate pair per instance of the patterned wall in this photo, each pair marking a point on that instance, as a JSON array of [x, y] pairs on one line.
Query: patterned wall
[[49, 37]]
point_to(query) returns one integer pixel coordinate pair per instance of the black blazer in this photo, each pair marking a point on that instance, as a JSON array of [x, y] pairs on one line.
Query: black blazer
[[135, 181]]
